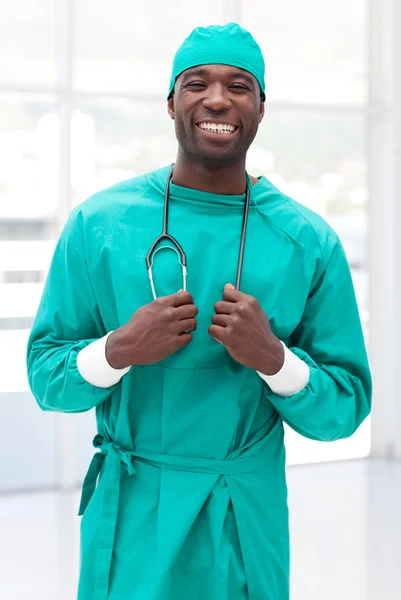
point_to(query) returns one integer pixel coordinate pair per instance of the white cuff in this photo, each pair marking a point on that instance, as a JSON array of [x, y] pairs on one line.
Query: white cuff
[[292, 377], [93, 366]]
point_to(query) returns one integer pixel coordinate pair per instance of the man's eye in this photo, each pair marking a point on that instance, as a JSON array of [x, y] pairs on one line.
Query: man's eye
[[238, 86], [195, 84]]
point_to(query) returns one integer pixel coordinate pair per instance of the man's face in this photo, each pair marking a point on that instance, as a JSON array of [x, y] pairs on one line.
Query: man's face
[[217, 110]]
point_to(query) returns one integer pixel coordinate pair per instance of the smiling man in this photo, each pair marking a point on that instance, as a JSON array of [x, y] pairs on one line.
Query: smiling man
[[186, 498]]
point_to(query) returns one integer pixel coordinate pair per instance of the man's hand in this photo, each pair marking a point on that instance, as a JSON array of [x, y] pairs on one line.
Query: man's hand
[[243, 328], [155, 331]]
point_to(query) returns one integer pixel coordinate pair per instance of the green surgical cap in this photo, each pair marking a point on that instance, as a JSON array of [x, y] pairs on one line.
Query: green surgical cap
[[220, 45]]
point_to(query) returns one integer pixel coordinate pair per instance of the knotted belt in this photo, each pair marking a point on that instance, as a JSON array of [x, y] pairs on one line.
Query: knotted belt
[[112, 457]]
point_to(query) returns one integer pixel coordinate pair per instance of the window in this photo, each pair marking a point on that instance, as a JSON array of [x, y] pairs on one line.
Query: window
[[83, 105]]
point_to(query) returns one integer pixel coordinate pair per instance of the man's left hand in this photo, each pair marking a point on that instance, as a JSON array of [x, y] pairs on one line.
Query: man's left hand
[[240, 324]]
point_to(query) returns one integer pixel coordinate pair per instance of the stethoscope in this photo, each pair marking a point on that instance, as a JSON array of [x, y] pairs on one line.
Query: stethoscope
[[178, 249]]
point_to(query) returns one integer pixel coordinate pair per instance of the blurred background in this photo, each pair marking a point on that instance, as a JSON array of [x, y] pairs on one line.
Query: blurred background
[[82, 106]]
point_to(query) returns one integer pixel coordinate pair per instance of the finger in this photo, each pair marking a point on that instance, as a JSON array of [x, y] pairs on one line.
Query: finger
[[222, 320], [187, 311], [223, 307], [181, 298], [185, 325], [217, 333], [183, 340], [233, 295]]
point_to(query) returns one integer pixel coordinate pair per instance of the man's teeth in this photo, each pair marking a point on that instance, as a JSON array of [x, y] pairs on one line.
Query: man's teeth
[[217, 127]]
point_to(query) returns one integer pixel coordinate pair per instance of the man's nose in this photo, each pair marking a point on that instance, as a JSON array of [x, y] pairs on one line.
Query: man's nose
[[216, 99]]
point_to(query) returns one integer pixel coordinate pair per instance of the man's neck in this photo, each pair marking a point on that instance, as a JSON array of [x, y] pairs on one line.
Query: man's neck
[[227, 179]]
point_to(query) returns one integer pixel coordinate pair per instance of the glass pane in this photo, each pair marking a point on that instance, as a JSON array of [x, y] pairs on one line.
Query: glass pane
[[124, 45], [27, 42], [12, 358], [318, 159], [28, 202], [315, 51], [113, 140], [28, 458], [29, 132]]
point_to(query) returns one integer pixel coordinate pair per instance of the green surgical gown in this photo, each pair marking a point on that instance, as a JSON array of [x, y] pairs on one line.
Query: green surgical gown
[[186, 496]]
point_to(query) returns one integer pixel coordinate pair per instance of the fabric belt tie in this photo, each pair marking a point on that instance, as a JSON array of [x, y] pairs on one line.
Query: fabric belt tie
[[112, 456]]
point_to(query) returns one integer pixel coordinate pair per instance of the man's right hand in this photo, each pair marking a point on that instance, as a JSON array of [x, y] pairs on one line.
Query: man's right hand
[[154, 331]]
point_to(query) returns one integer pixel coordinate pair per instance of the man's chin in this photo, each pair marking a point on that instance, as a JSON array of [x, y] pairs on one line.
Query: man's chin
[[216, 156]]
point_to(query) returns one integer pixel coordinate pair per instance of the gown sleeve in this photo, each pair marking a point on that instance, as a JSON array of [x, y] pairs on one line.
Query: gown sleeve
[[329, 338], [67, 321]]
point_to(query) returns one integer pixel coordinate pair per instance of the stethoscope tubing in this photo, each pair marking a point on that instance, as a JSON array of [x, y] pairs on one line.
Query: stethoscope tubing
[[181, 254]]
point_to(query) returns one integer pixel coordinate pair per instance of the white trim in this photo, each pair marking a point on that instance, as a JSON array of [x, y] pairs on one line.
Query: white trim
[[384, 160], [352, 109], [292, 378], [93, 366], [397, 249], [67, 440], [65, 34], [32, 90]]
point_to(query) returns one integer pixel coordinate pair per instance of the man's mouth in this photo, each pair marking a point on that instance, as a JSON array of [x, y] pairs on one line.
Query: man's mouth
[[217, 128]]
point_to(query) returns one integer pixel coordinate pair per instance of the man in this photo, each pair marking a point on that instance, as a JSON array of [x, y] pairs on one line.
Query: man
[[191, 388]]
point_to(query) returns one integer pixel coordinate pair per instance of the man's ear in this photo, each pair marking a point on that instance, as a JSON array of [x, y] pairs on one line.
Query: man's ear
[[261, 111], [170, 107]]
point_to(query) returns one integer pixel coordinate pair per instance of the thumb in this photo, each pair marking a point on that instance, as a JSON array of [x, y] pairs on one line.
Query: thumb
[[229, 286]]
